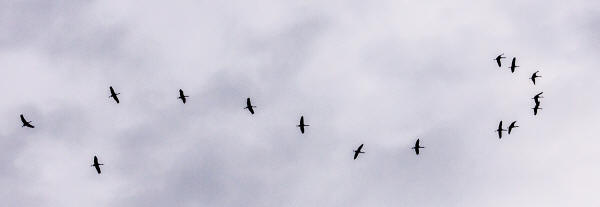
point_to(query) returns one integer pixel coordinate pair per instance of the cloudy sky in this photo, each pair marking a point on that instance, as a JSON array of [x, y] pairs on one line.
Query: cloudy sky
[[382, 73]]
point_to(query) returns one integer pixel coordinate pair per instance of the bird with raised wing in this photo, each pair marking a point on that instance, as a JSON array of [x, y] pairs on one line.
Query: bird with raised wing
[[534, 76], [249, 106], [113, 94], [26, 123], [357, 151], [417, 147], [182, 96], [511, 126], [513, 65], [96, 164], [537, 97], [302, 125], [499, 130], [498, 59]]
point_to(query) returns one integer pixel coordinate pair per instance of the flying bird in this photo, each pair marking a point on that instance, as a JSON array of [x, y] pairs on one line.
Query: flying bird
[[498, 59], [536, 108], [249, 106], [534, 76], [357, 151], [512, 125], [302, 125], [513, 66], [96, 164], [113, 94], [181, 96], [417, 146], [26, 123], [499, 130], [537, 97]]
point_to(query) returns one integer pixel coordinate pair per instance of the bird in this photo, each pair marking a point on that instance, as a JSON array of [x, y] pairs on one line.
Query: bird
[[499, 130], [416, 147], [113, 94], [302, 125], [537, 97], [357, 151], [26, 123], [513, 66], [181, 96], [536, 108], [96, 164], [512, 125], [534, 76], [498, 59], [249, 106]]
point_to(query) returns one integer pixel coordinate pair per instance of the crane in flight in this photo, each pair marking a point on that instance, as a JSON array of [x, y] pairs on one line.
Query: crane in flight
[[96, 164], [249, 106], [357, 151], [417, 147], [113, 94], [534, 76], [26, 123], [302, 125], [537, 97], [536, 108], [182, 97], [511, 126], [498, 59], [514, 65], [499, 130]]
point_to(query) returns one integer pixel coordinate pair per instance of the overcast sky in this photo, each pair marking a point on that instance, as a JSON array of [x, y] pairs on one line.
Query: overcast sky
[[382, 73]]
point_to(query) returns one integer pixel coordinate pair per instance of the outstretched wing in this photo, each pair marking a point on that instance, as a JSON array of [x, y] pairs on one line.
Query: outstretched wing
[[95, 160], [355, 154], [417, 150], [498, 61], [360, 147], [23, 119], [251, 110], [116, 98], [97, 168]]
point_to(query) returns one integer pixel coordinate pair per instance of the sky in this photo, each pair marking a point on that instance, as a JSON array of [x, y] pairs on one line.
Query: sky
[[379, 73]]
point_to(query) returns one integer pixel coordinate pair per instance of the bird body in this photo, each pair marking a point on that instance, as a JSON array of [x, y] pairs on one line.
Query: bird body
[[26, 123], [357, 151], [182, 96], [511, 126], [417, 147], [498, 59], [113, 94], [513, 65], [534, 76], [249, 106], [499, 130], [96, 164], [302, 125]]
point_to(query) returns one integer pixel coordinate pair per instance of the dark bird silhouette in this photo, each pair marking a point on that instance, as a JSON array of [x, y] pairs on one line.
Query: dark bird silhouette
[[113, 94], [416, 147], [537, 97], [512, 125], [302, 125], [357, 151], [499, 130], [498, 59], [536, 108], [26, 123], [96, 165], [534, 76], [182, 97], [513, 66], [249, 106]]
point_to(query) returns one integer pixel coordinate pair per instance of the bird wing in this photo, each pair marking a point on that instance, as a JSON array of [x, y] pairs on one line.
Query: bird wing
[[360, 147], [417, 143], [116, 98], [499, 134], [23, 119], [356, 154], [181, 93], [112, 91], [417, 150], [251, 110], [97, 168], [248, 104], [302, 121], [95, 160], [498, 61], [500, 126], [302, 129]]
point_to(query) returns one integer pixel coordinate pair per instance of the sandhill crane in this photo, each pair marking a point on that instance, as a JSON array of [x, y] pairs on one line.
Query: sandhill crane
[[357, 151], [249, 106], [416, 147], [499, 130], [302, 125], [182, 97], [513, 66], [113, 94], [498, 59], [537, 97], [536, 108], [512, 125], [534, 76], [26, 123], [96, 164]]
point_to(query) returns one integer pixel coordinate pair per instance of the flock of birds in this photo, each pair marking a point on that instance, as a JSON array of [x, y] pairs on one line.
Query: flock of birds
[[536, 98], [302, 125]]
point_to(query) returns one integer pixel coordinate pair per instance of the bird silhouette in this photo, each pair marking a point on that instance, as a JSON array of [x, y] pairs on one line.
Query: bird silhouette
[[499, 130], [498, 59], [113, 94], [536, 108], [513, 65], [357, 151], [511, 126], [537, 97], [302, 125], [26, 123], [416, 147], [182, 97], [534, 76], [96, 164], [249, 106]]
